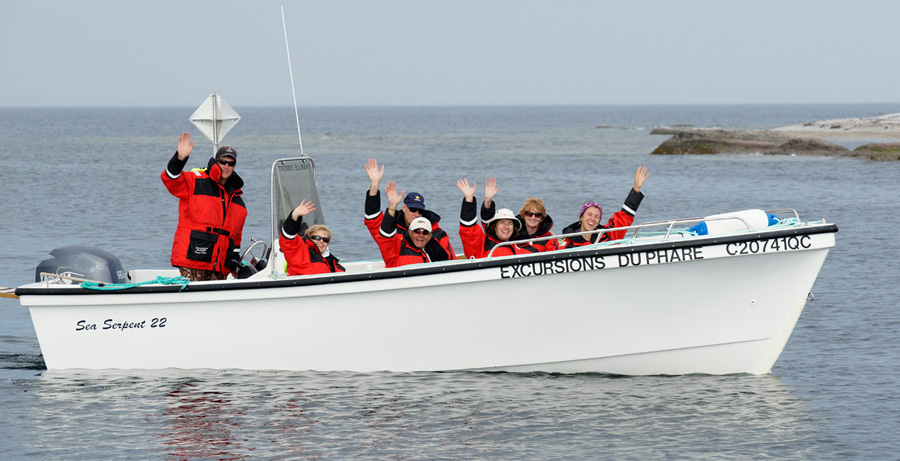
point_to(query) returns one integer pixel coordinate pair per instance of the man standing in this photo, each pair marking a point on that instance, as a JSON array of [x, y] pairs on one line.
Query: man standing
[[211, 213]]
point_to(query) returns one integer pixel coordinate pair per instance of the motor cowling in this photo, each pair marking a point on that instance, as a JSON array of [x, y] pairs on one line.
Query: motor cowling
[[83, 262]]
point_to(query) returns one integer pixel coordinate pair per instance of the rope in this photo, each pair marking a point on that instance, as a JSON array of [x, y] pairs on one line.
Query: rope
[[789, 222], [183, 281]]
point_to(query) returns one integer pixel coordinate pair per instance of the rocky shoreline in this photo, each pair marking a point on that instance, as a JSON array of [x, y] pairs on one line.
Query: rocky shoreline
[[804, 139]]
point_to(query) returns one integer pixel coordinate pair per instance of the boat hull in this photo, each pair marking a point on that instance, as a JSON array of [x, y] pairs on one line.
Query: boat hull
[[711, 305]]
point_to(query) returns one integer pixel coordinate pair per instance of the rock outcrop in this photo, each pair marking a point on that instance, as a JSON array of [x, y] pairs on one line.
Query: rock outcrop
[[882, 152], [802, 139], [744, 141], [809, 146]]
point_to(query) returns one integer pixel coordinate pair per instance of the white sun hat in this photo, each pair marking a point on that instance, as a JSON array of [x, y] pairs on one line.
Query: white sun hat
[[505, 213]]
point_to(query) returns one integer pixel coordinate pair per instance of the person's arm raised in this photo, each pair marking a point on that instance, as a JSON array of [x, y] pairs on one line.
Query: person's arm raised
[[639, 177], [393, 197], [467, 190], [490, 190], [185, 146], [375, 176]]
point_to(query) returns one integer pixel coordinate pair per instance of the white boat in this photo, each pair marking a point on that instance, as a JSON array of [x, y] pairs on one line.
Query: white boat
[[662, 301]]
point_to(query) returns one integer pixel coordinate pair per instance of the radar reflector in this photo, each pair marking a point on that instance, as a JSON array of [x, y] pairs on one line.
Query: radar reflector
[[215, 118]]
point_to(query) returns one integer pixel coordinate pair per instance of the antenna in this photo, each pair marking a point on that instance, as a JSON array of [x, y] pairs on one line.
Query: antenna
[[290, 69]]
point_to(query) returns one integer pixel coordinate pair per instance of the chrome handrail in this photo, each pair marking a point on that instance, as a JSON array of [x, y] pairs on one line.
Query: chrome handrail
[[785, 210], [570, 234], [669, 223]]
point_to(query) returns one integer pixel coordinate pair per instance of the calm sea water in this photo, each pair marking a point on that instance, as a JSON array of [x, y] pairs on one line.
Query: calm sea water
[[91, 176]]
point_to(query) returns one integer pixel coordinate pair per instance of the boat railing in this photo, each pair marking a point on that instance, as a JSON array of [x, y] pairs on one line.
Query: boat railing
[[785, 210], [672, 225]]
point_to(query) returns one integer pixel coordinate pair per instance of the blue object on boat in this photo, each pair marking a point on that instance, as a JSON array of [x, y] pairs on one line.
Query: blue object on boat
[[699, 228]]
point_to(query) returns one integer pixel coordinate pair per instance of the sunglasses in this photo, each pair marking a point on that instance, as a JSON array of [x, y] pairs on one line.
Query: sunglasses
[[317, 237], [226, 162], [534, 214], [421, 232]]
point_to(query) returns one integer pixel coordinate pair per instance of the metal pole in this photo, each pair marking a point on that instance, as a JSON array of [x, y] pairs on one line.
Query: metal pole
[[291, 71], [215, 121]]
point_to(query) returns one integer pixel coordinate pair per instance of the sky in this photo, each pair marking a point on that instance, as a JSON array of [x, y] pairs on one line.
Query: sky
[[118, 53]]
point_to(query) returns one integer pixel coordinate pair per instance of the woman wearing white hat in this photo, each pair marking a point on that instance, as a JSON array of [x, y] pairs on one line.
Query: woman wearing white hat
[[478, 241]]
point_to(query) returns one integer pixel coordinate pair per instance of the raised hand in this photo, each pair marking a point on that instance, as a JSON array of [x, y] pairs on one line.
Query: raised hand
[[467, 190], [490, 190], [304, 208], [393, 197], [639, 177], [375, 175], [185, 146]]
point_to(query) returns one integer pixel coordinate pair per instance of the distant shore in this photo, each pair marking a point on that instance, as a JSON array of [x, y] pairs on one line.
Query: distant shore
[[880, 135], [880, 127]]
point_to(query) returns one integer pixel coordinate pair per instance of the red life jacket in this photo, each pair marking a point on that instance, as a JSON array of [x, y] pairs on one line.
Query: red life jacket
[[543, 229], [210, 216], [303, 256], [478, 241], [478, 244], [398, 250], [437, 249], [621, 218], [618, 219]]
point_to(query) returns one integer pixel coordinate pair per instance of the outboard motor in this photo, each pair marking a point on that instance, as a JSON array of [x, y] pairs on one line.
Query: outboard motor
[[83, 262]]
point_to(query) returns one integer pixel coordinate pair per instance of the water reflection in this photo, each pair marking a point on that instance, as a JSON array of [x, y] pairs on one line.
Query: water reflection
[[238, 414], [201, 422]]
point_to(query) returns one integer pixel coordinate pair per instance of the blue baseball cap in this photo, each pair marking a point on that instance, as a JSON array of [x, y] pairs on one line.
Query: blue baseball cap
[[415, 201]]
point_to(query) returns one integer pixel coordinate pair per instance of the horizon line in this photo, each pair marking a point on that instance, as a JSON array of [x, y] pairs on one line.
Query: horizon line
[[410, 106]]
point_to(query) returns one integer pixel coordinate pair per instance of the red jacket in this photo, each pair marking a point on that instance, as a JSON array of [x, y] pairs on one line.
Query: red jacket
[[210, 216], [396, 247], [621, 218], [478, 241], [399, 251], [383, 226], [543, 229], [302, 254]]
